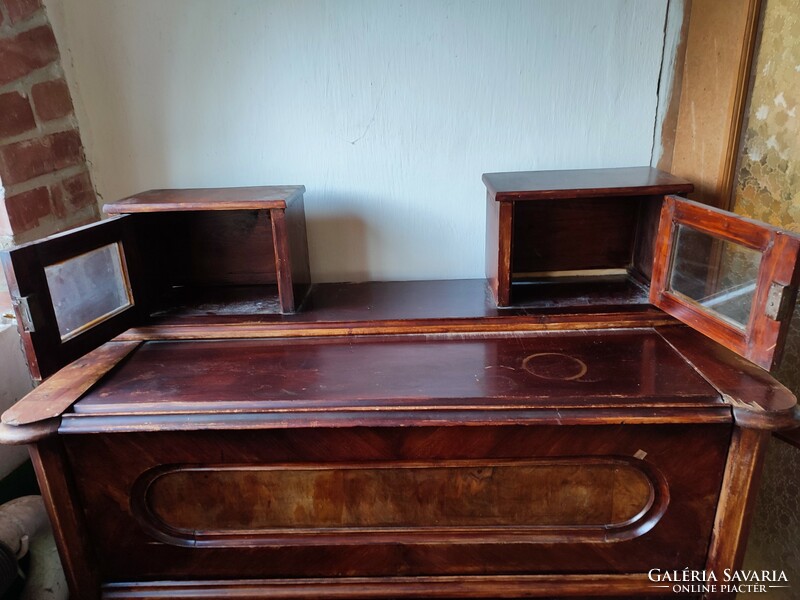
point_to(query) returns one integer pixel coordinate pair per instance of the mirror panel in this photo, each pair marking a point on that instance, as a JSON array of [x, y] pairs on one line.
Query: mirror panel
[[88, 289], [717, 274], [727, 277]]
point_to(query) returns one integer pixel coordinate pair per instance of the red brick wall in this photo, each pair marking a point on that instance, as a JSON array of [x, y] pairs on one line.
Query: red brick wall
[[45, 181]]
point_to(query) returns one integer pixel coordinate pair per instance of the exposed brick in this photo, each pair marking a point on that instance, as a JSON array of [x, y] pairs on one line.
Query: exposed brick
[[25, 210], [25, 160], [26, 52], [79, 190], [16, 115], [59, 207], [81, 218], [51, 99], [19, 10]]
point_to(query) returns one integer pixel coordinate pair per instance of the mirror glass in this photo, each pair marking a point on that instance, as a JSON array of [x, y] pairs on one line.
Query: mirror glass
[[719, 275], [88, 289]]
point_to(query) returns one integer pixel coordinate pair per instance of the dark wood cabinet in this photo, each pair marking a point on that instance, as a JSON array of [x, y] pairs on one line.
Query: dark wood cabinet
[[412, 439], [554, 236], [187, 254]]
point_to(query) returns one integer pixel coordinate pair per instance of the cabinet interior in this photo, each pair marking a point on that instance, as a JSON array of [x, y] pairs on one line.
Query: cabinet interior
[[583, 251], [209, 262]]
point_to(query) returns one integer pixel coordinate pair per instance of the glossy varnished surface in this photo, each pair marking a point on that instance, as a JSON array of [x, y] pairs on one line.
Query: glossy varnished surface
[[56, 395], [242, 198], [573, 499], [113, 472], [759, 401], [540, 185], [411, 307], [584, 370]]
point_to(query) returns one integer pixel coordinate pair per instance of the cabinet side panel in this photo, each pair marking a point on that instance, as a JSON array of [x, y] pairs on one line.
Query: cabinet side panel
[[283, 269], [298, 249], [498, 249], [55, 481], [739, 490], [646, 234]]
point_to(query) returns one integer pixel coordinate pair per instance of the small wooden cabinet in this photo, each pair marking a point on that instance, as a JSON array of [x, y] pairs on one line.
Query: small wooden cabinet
[[411, 439], [552, 236], [190, 255]]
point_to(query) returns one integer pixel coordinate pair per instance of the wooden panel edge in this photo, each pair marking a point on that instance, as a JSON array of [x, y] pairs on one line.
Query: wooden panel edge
[[505, 249], [740, 93], [7, 259], [54, 475], [58, 393], [736, 503], [300, 267], [283, 267], [27, 434], [646, 415], [713, 90], [758, 400], [467, 586], [129, 209], [427, 327]]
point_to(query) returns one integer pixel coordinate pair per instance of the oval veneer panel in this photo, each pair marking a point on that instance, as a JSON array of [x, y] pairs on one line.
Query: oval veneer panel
[[535, 498]]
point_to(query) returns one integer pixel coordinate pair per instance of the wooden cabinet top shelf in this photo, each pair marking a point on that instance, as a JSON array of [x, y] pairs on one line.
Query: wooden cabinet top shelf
[[584, 183], [243, 198]]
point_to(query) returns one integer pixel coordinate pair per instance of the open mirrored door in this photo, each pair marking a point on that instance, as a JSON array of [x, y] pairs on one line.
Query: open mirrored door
[[74, 291], [731, 278]]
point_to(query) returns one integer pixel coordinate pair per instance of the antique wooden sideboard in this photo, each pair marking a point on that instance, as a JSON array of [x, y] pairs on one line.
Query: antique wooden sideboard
[[211, 425]]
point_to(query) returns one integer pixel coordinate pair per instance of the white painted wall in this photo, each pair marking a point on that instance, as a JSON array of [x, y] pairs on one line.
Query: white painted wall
[[388, 111]]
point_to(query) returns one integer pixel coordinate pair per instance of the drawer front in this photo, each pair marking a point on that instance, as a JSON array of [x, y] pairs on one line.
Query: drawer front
[[378, 502]]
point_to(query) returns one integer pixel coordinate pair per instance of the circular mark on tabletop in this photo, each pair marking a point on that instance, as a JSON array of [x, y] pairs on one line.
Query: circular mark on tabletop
[[555, 365]]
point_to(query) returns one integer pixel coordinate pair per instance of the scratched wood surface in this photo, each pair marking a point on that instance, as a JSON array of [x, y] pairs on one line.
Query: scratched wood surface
[[57, 394], [759, 401], [242, 198], [584, 370]]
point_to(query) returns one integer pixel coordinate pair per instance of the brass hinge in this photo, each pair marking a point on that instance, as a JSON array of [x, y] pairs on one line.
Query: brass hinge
[[23, 307], [779, 301]]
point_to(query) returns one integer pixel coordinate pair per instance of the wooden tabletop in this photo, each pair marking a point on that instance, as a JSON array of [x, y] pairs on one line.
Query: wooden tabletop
[[238, 198], [583, 183], [385, 373]]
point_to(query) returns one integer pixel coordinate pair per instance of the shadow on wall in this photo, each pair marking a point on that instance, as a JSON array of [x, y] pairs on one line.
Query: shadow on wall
[[347, 232]]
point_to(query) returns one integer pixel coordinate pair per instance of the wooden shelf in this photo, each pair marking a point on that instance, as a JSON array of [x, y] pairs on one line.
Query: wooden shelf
[[219, 300]]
